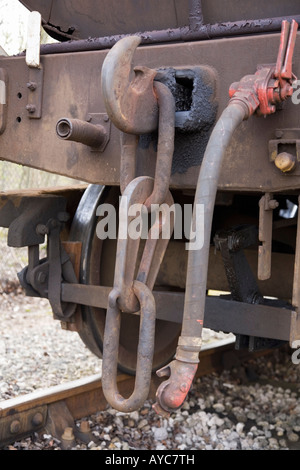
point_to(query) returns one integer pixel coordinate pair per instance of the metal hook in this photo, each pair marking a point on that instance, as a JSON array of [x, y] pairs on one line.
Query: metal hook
[[128, 91]]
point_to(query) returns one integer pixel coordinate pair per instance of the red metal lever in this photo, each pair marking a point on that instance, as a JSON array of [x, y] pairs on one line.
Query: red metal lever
[[283, 67], [273, 84]]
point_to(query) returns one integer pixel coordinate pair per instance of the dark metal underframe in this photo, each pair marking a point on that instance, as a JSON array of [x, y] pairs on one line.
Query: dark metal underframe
[[220, 315]]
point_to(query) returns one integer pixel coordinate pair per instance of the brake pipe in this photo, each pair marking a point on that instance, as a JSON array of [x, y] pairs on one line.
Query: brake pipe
[[171, 393]]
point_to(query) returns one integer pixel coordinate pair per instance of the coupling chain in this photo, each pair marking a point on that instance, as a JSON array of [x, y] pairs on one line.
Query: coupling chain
[[133, 283]]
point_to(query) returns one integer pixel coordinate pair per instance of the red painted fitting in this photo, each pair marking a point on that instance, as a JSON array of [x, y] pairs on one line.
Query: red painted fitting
[[171, 393]]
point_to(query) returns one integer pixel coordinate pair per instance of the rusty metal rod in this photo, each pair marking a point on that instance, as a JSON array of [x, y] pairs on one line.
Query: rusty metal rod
[[185, 33], [81, 131], [129, 144], [165, 146]]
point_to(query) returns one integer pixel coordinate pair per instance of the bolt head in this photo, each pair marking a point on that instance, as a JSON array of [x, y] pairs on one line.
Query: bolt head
[[285, 162], [15, 426], [31, 86], [37, 419], [31, 108], [68, 434], [42, 229]]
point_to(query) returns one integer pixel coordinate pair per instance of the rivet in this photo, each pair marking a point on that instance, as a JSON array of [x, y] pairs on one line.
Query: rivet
[[15, 426], [31, 108], [42, 229], [31, 86], [37, 419]]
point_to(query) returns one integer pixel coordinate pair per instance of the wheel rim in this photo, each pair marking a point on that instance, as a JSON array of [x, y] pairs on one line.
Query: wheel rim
[[97, 268]]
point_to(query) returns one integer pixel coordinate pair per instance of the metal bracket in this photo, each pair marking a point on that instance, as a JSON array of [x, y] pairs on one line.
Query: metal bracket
[[241, 281], [23, 214], [242, 284], [30, 219], [100, 119], [3, 99], [295, 321], [193, 88], [266, 206], [35, 92], [284, 151]]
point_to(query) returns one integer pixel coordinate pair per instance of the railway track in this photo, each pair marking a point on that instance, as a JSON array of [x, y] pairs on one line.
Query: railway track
[[54, 410]]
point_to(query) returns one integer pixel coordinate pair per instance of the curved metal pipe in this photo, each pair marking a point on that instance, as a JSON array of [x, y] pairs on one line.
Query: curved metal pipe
[[205, 195], [171, 394]]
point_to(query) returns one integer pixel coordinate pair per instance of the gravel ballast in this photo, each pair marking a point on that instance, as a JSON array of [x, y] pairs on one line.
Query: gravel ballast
[[251, 406]]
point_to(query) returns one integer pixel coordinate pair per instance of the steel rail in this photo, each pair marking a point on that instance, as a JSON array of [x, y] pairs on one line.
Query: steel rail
[[52, 410]]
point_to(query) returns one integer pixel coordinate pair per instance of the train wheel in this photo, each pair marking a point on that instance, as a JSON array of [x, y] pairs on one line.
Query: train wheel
[[97, 268]]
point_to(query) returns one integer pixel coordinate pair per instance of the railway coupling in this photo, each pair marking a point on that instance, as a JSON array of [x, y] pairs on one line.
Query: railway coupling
[[258, 93], [138, 102]]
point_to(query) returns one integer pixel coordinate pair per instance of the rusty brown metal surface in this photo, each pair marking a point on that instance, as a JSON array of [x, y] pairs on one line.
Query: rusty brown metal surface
[[35, 102], [63, 84], [73, 249]]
